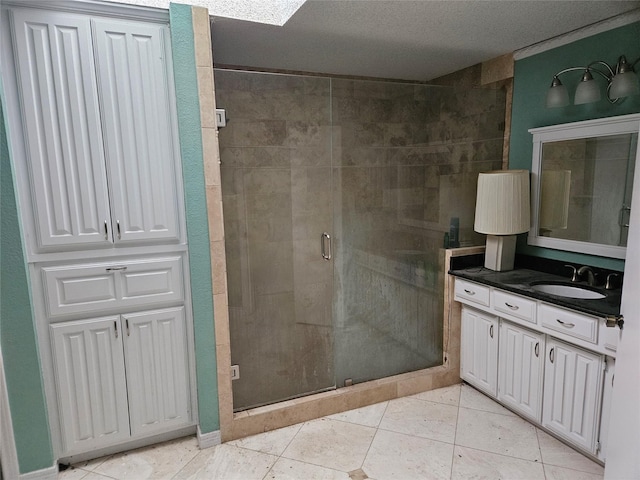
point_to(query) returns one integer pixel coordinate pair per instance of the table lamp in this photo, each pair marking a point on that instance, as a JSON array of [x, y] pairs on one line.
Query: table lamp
[[502, 211]]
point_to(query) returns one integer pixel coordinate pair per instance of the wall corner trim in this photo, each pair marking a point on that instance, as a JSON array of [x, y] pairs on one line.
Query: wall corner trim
[[210, 439]]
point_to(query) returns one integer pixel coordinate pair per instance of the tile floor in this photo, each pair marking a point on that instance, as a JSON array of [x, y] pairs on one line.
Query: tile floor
[[450, 433]]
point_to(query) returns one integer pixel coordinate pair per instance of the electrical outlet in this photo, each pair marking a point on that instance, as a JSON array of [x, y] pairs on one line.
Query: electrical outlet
[[235, 372]]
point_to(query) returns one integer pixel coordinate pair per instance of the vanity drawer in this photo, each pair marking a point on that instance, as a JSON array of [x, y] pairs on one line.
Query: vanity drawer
[[514, 305], [87, 288], [469, 292], [570, 323]]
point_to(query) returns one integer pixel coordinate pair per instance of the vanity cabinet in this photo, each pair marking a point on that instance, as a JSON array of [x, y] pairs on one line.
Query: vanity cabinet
[[572, 392], [101, 156], [521, 369], [479, 352], [120, 376], [549, 364]]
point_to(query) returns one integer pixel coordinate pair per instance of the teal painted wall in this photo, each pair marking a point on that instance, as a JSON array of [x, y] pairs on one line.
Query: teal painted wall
[[184, 66], [17, 330], [532, 78]]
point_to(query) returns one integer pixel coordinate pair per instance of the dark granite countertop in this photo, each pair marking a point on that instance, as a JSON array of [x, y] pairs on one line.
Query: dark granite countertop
[[519, 281]]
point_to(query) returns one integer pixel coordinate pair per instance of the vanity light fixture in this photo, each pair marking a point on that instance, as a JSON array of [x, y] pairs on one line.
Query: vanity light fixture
[[621, 79], [502, 211]]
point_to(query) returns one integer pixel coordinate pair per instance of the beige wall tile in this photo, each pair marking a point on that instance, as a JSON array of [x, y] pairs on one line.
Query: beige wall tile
[[496, 69], [207, 98], [221, 316], [211, 154], [218, 265], [214, 210], [202, 34]]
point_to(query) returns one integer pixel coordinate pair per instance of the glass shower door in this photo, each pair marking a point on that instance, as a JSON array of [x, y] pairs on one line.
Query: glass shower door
[[277, 200]]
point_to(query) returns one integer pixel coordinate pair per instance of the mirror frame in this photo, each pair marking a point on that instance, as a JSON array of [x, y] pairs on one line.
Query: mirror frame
[[570, 131]]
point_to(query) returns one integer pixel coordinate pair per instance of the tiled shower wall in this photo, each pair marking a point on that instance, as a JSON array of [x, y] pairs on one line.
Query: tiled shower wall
[[406, 159], [380, 166]]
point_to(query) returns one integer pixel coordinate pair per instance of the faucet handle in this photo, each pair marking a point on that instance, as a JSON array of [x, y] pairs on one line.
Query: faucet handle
[[609, 284], [574, 276]]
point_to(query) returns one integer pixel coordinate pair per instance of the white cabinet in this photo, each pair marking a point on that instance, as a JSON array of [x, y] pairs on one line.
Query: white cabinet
[[548, 362], [92, 392], [120, 284], [520, 369], [572, 386], [63, 135], [105, 233], [136, 110], [120, 376], [479, 350], [155, 353], [101, 152]]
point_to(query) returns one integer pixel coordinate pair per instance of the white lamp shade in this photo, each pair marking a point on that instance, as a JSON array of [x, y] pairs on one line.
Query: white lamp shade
[[502, 204], [587, 92], [554, 199], [624, 84]]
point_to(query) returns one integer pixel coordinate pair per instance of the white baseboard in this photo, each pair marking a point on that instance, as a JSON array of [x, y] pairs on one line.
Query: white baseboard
[[208, 440], [50, 473]]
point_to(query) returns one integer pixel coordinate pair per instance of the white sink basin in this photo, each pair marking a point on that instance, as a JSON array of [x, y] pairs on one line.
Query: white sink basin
[[569, 291]]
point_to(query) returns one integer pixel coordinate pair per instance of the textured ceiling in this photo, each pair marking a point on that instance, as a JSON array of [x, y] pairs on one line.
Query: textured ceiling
[[275, 12], [412, 40]]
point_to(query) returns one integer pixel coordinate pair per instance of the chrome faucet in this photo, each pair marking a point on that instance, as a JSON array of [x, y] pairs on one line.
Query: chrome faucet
[[574, 273], [609, 284], [591, 278]]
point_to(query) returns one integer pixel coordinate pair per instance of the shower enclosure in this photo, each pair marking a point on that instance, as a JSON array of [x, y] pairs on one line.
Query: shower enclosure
[[337, 195]]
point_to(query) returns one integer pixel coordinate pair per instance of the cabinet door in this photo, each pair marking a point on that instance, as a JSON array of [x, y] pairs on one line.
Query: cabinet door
[[520, 370], [572, 382], [479, 359], [63, 135], [139, 143], [90, 380], [157, 375]]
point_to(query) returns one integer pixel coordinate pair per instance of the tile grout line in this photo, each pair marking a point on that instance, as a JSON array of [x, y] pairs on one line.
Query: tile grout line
[[377, 427], [455, 434]]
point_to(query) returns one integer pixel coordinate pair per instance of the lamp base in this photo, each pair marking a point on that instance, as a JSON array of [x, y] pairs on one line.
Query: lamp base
[[500, 252]]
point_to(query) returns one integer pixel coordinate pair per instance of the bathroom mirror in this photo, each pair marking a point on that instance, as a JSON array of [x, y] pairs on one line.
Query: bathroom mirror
[[582, 182]]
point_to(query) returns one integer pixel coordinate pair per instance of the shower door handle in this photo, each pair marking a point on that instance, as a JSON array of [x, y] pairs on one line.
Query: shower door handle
[[325, 240]]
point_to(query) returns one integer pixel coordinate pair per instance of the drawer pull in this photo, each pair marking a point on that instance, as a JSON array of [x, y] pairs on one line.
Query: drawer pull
[[115, 325], [469, 292], [551, 355], [491, 331], [565, 324], [537, 349], [512, 307], [106, 231], [115, 269]]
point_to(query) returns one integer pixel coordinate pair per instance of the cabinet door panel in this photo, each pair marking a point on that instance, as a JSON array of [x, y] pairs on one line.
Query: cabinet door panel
[[572, 383], [520, 370], [157, 375], [139, 142], [62, 128], [92, 396], [479, 365]]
